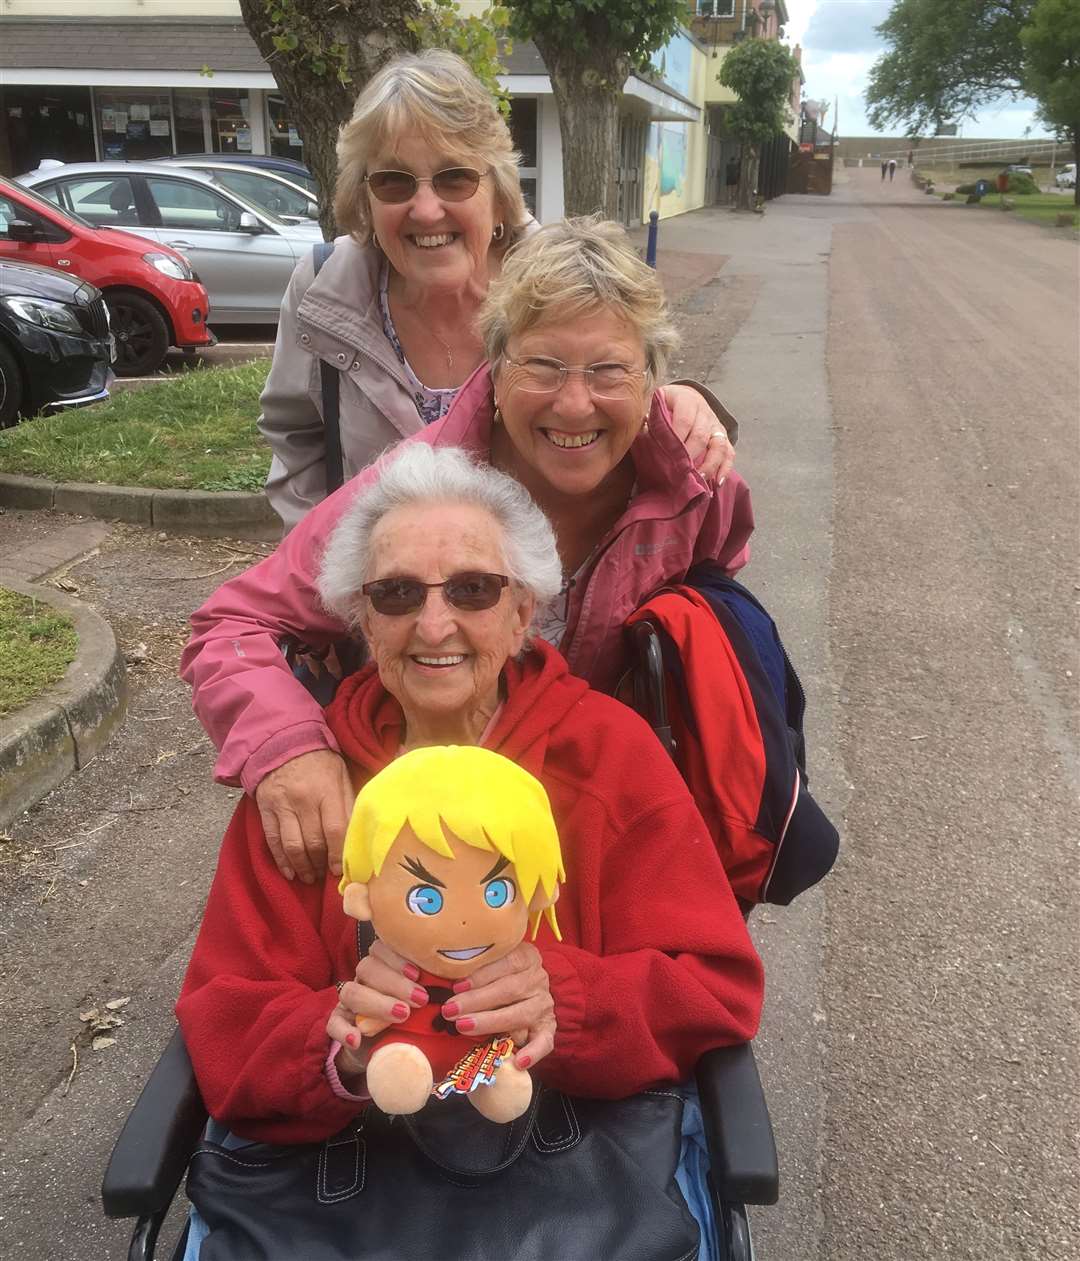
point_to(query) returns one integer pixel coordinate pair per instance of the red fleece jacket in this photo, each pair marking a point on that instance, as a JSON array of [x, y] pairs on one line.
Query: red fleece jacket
[[655, 966]]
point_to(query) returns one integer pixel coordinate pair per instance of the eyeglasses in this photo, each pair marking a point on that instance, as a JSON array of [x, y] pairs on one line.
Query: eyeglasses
[[546, 376], [456, 183], [470, 592]]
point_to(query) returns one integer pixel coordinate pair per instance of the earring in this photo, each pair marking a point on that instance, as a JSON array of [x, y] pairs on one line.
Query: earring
[[498, 232], [375, 241], [497, 418]]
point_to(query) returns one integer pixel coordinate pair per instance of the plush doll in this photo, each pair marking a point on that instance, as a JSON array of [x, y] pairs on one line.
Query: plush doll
[[451, 853]]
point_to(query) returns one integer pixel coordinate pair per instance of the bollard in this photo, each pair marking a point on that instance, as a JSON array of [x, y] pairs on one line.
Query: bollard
[[650, 249]]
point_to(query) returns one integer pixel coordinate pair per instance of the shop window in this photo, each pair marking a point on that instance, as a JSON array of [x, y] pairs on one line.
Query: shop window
[[49, 122], [191, 111], [524, 114], [134, 125], [230, 122], [284, 139]]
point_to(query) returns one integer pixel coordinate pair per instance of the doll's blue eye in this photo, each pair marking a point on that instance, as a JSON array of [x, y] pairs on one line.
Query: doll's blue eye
[[499, 892], [424, 900]]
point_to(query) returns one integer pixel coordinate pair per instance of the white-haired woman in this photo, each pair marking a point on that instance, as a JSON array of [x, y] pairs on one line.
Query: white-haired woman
[[441, 561], [429, 200], [577, 335]]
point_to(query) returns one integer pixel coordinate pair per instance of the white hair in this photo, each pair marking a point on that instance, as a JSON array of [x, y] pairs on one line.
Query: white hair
[[416, 473]]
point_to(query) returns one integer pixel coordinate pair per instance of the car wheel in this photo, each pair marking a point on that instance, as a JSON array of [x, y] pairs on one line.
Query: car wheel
[[142, 336], [11, 388]]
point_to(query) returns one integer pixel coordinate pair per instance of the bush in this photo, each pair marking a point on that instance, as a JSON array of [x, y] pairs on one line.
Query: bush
[[966, 189], [1024, 185]]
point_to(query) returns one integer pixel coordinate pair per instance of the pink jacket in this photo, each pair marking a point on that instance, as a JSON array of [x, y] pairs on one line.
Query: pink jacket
[[260, 717]]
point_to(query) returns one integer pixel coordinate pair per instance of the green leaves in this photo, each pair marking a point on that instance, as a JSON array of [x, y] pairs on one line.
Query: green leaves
[[760, 73], [476, 40], [1051, 49]]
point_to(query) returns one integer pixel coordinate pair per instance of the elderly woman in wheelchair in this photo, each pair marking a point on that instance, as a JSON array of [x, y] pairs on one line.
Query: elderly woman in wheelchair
[[441, 564]]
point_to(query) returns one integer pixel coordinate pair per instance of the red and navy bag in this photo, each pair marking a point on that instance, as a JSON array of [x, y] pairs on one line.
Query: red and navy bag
[[735, 707]]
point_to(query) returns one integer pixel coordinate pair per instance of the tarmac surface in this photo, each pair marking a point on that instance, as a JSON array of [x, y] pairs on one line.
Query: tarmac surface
[[919, 549]]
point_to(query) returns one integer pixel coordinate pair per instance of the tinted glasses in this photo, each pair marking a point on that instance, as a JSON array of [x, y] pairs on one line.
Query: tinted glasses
[[470, 592], [456, 183]]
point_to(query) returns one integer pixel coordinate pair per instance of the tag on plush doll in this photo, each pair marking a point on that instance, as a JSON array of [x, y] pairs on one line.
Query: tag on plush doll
[[478, 1068]]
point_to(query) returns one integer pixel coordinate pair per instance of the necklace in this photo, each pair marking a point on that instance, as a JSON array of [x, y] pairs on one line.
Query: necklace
[[445, 346]]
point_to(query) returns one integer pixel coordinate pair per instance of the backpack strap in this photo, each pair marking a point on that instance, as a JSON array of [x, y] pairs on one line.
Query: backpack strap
[[329, 382]]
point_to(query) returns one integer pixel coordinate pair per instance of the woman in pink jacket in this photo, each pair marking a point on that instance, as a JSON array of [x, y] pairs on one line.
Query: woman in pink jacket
[[577, 335]]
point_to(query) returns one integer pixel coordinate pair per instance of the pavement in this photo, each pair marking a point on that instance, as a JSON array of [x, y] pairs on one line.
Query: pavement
[[904, 372]]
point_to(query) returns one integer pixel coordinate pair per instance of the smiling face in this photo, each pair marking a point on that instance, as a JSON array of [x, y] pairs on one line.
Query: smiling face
[[570, 441], [433, 243], [449, 916], [442, 663]]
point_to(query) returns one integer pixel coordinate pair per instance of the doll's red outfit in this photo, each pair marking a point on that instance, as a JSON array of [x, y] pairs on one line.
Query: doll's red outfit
[[655, 966], [427, 1030]]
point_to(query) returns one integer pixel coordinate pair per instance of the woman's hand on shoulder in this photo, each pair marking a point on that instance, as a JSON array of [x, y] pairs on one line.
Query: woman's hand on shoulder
[[510, 996], [383, 992], [696, 425], [304, 806]]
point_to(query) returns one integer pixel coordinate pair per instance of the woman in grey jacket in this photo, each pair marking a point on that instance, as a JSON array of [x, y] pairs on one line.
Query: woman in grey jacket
[[428, 194]]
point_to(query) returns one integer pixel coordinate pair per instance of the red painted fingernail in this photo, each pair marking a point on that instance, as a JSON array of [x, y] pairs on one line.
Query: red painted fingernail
[[419, 996], [352, 1039], [467, 1024], [399, 1011], [462, 986], [411, 971], [450, 1009], [524, 1061]]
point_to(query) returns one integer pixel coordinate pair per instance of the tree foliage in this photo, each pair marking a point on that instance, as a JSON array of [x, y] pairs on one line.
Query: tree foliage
[[759, 72], [590, 48], [475, 39], [945, 61], [1051, 43]]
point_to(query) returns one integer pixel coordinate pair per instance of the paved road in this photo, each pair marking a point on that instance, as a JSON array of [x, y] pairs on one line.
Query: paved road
[[919, 547]]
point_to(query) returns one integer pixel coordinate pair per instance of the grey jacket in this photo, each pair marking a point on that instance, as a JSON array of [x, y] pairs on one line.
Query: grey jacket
[[334, 316]]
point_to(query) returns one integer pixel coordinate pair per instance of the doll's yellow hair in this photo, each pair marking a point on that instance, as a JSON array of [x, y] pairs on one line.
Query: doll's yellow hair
[[482, 797]]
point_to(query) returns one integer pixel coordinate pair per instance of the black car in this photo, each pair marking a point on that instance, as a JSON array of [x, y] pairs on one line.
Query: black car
[[55, 345]]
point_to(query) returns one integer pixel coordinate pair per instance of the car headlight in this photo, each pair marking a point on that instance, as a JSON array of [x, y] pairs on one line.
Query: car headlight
[[169, 266], [45, 313]]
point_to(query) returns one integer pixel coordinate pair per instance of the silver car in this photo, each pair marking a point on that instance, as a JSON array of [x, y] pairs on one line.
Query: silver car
[[275, 193], [244, 255]]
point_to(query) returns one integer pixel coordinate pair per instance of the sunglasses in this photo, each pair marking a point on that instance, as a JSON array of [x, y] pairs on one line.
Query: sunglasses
[[456, 183], [470, 592]]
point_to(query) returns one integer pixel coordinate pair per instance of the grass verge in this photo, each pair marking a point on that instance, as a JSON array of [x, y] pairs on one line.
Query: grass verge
[[1038, 207], [37, 644], [193, 432]]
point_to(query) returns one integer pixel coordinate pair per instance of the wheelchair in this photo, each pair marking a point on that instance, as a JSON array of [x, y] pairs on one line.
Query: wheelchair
[[163, 1129]]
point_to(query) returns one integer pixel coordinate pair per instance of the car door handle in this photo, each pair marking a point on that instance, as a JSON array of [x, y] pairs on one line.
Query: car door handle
[[180, 245]]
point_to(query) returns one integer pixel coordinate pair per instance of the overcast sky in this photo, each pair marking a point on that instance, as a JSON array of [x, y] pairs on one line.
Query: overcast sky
[[840, 46]]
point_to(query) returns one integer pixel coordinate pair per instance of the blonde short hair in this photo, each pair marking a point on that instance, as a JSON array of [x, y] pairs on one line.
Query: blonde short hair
[[570, 268], [433, 95]]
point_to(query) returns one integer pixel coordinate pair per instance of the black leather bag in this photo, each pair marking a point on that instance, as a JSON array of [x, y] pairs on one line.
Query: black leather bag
[[572, 1180]]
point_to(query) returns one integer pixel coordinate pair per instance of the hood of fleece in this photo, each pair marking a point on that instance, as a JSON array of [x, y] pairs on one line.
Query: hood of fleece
[[540, 692]]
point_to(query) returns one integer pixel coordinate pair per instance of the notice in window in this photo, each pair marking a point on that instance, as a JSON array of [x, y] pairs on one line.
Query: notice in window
[[108, 120], [243, 139], [140, 113], [159, 126]]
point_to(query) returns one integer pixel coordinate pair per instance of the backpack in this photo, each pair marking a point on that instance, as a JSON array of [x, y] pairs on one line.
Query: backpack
[[735, 707]]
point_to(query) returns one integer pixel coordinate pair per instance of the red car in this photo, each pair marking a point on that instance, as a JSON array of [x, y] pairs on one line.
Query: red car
[[154, 298]]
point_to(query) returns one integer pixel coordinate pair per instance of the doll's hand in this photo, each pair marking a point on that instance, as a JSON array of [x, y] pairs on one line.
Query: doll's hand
[[704, 436], [383, 992], [510, 996]]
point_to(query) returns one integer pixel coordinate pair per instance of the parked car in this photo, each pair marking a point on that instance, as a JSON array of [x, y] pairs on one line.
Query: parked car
[[1066, 177], [289, 167], [268, 189], [55, 345], [154, 298], [243, 254], [1018, 168]]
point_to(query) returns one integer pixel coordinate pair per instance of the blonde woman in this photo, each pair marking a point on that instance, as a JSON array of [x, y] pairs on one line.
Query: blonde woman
[[428, 197], [576, 335]]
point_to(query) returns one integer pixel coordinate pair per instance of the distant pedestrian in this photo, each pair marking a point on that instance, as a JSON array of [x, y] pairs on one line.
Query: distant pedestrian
[[884, 169], [892, 169]]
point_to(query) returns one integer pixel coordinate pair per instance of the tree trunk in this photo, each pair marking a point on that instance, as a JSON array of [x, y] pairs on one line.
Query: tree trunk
[[370, 31], [1074, 135], [586, 92], [748, 159]]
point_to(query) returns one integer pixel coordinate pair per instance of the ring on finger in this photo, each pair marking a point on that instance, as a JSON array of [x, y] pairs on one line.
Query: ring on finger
[[718, 433]]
